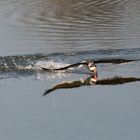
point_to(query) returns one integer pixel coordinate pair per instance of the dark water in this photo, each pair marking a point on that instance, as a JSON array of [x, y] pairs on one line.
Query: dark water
[[56, 33]]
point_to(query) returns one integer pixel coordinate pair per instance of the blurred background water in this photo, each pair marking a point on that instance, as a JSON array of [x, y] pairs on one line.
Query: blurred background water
[[42, 33]]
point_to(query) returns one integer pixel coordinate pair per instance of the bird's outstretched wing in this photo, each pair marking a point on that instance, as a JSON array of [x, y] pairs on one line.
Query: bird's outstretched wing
[[64, 68]]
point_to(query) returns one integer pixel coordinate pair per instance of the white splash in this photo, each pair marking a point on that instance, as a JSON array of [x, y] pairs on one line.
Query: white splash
[[50, 64], [42, 64]]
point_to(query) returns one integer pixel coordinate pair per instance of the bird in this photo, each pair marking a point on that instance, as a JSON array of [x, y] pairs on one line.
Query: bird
[[89, 64]]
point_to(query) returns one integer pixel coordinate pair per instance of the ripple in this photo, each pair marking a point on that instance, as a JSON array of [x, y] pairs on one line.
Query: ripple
[[70, 25]]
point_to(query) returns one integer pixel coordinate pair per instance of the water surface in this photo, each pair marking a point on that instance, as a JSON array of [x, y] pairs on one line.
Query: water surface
[[56, 33], [62, 26]]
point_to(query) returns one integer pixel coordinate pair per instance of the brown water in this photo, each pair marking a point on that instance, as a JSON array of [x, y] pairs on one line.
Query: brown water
[[55, 33]]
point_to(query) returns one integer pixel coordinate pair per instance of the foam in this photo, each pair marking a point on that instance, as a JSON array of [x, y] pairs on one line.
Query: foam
[[50, 64]]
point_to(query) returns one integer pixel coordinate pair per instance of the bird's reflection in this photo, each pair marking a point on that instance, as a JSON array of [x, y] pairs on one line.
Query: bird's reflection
[[91, 80]]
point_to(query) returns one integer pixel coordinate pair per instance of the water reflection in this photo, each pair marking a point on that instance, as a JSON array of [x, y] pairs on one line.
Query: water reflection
[[92, 80], [73, 84]]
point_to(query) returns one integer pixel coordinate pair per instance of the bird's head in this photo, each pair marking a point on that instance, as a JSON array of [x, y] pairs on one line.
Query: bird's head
[[91, 65]]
